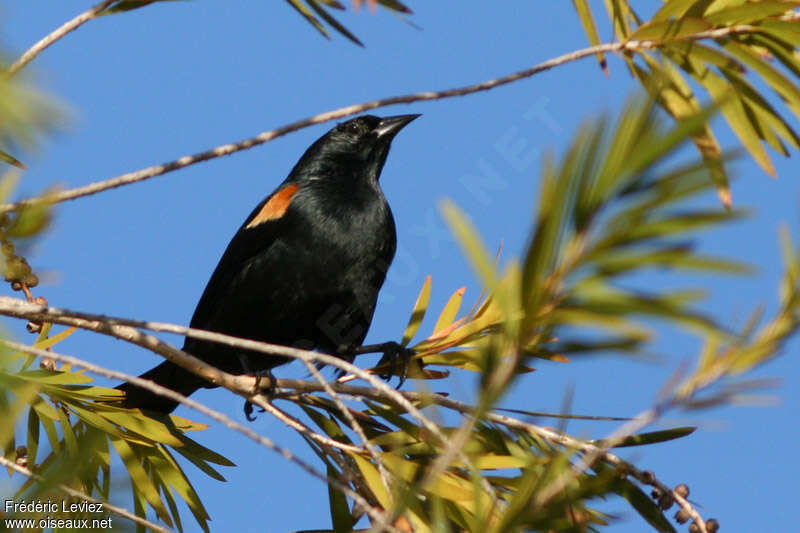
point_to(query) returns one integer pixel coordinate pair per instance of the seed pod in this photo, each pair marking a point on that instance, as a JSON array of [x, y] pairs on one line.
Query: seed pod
[[666, 500], [682, 490]]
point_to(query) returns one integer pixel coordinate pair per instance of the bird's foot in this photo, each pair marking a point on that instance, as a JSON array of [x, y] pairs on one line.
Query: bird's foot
[[268, 391], [393, 353]]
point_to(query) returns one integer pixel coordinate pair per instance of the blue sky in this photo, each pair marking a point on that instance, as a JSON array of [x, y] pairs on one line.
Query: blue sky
[[154, 84]]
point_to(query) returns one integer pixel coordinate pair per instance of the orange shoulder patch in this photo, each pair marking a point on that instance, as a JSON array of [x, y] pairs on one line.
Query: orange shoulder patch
[[276, 206]]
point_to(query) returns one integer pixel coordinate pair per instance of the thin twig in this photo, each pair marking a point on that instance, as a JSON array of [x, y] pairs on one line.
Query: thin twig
[[599, 452], [119, 511], [57, 34], [287, 454], [354, 425], [266, 136], [301, 428]]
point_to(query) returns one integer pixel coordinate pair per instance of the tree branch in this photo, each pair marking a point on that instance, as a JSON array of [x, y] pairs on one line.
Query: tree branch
[[125, 329], [55, 35], [354, 425]]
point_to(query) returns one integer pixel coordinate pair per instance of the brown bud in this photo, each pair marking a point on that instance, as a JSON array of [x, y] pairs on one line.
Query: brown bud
[[666, 500], [31, 280], [682, 516], [694, 528], [22, 456], [16, 286], [33, 327], [648, 476], [712, 526], [47, 364], [40, 300], [682, 490]]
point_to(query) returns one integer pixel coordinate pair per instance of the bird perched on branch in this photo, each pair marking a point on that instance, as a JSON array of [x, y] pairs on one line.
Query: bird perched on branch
[[305, 267]]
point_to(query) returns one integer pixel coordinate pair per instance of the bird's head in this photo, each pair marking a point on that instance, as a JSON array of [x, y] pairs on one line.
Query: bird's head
[[360, 143]]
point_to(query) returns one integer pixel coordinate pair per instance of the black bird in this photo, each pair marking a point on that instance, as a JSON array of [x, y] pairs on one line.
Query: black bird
[[304, 269]]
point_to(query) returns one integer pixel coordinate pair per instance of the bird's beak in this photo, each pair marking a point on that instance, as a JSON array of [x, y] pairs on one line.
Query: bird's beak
[[389, 126]]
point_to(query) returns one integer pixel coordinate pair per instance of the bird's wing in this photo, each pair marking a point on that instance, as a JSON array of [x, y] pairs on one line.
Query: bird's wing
[[258, 233]]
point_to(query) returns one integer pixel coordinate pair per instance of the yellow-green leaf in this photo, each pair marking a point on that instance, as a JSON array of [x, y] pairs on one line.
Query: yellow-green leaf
[[450, 310], [669, 30], [418, 314], [142, 425], [587, 21], [143, 486]]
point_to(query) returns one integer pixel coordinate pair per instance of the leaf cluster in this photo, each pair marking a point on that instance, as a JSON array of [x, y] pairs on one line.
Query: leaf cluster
[[744, 43], [73, 432]]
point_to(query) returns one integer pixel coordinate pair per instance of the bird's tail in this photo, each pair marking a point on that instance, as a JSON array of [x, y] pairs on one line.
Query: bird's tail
[[167, 375]]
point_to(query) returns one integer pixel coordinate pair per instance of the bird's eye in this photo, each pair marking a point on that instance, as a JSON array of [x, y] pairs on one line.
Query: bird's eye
[[353, 128]]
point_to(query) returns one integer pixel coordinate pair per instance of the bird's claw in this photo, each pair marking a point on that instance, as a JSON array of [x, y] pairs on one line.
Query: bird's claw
[[269, 391], [392, 352]]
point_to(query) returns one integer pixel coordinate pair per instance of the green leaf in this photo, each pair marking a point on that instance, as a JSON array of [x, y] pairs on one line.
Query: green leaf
[[673, 93], [674, 9], [301, 8], [473, 246], [94, 419], [11, 160], [50, 429], [333, 22], [619, 12], [499, 462], [395, 6], [733, 110], [142, 425], [341, 518], [782, 85], [328, 425], [142, 485], [54, 377], [128, 5], [418, 314], [49, 342], [747, 13], [652, 437], [170, 471], [201, 452], [646, 507], [664, 31], [70, 439], [679, 256], [32, 443], [587, 21], [450, 310], [373, 480], [202, 465]]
